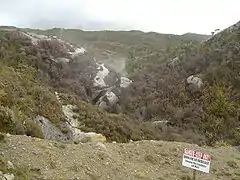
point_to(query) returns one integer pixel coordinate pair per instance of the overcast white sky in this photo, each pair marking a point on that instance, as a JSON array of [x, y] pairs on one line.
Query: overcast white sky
[[164, 16]]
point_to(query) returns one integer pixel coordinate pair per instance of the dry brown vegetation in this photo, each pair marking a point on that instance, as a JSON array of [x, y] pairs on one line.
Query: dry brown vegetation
[[28, 79], [159, 91]]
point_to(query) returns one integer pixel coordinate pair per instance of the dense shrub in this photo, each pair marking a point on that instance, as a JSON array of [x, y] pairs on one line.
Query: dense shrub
[[222, 121], [7, 123], [33, 129]]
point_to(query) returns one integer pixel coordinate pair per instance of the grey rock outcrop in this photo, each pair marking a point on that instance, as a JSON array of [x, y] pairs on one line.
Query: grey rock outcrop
[[50, 131], [174, 62], [7, 176], [194, 84], [109, 99], [70, 125]]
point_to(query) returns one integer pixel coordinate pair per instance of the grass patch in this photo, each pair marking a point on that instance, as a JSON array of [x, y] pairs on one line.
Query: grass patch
[[33, 129], [2, 138], [7, 123], [60, 145], [232, 164], [149, 158], [185, 177]]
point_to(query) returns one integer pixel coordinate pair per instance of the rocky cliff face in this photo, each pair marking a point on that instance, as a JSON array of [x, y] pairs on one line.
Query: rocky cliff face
[[93, 81]]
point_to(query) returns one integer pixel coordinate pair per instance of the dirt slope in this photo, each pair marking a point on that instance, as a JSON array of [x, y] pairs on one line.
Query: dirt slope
[[35, 158]]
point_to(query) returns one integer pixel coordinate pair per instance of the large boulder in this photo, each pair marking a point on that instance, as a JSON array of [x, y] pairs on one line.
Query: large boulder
[[173, 62], [194, 84], [125, 82], [108, 100]]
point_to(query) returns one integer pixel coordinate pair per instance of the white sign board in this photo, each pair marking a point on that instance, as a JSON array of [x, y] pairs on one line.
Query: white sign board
[[196, 160]]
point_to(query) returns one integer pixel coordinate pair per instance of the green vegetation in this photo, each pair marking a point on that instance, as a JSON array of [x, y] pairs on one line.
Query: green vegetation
[[116, 127], [22, 95], [26, 93], [158, 64], [7, 120], [125, 38], [59, 145], [111, 45], [232, 164], [2, 138], [221, 123], [159, 88]]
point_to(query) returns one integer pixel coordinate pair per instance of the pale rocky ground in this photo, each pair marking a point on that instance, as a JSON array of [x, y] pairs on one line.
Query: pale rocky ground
[[147, 160]]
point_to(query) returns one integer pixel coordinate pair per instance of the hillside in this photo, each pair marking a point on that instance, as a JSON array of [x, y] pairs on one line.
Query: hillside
[[195, 88], [177, 89], [32, 158], [185, 91], [191, 87], [196, 37], [47, 83], [51, 89], [113, 47]]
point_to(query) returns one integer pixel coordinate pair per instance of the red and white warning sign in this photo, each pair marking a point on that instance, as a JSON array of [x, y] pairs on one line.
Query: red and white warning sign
[[196, 160]]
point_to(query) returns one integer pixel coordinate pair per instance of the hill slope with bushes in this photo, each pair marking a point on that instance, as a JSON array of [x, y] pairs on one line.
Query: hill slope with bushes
[[193, 87], [181, 91], [49, 92], [113, 47], [69, 104]]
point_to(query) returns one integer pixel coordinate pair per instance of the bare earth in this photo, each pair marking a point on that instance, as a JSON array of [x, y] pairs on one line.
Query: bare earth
[[137, 160]]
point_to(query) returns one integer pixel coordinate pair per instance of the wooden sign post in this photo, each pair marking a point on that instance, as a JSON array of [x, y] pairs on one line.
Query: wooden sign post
[[194, 174]]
